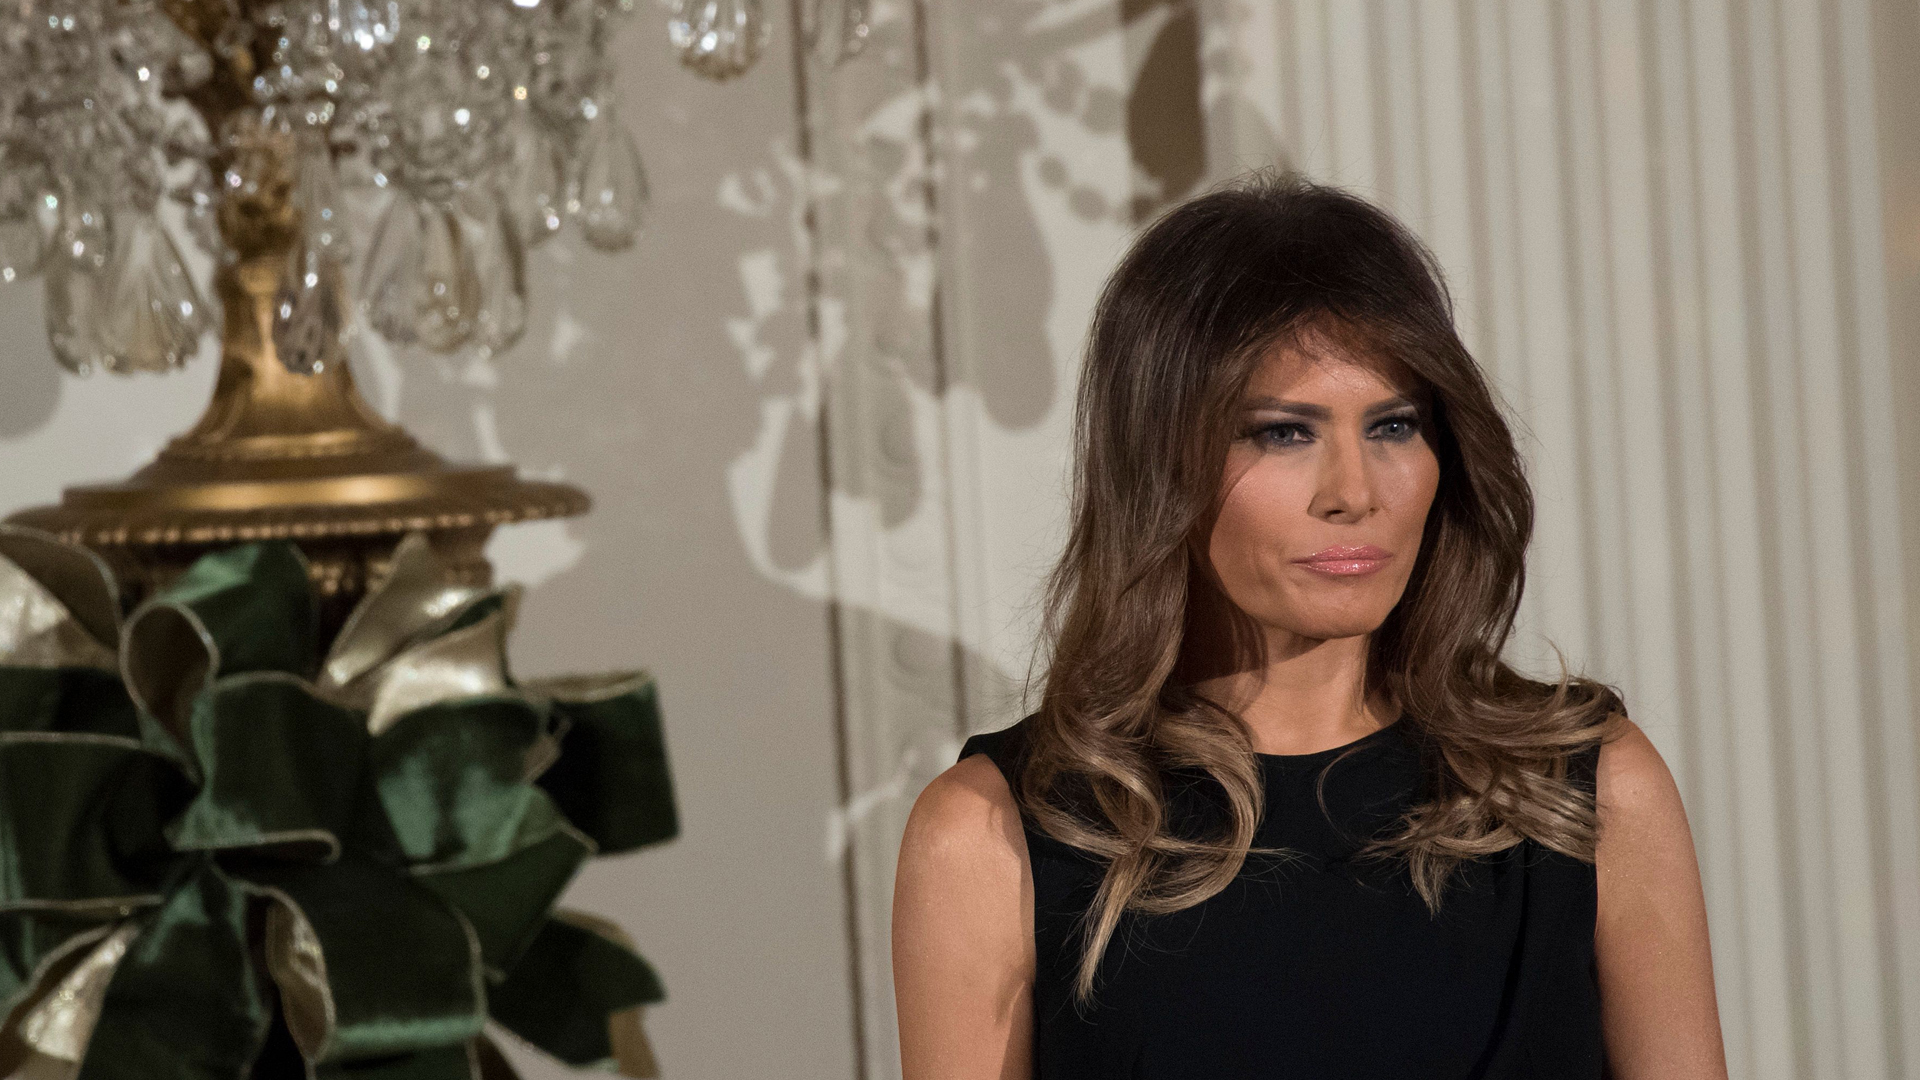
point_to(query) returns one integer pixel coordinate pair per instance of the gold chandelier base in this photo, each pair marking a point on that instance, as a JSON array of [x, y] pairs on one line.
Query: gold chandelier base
[[346, 524], [280, 455]]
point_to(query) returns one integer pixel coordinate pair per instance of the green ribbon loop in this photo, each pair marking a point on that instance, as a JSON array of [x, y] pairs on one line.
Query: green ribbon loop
[[334, 869], [80, 822], [348, 925], [452, 777], [505, 902], [439, 1063], [185, 1003], [282, 770], [611, 779], [74, 700], [558, 994], [247, 608]]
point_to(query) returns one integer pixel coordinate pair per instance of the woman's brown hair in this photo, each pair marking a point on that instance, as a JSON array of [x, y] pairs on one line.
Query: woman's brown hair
[[1201, 295]]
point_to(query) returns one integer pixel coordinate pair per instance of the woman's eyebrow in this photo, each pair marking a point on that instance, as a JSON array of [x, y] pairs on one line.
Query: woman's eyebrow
[[1396, 402], [1321, 412]]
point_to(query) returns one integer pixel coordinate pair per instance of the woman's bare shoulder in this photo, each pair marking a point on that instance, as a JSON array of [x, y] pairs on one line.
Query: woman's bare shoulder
[[1650, 929], [967, 815], [1633, 784], [963, 951]]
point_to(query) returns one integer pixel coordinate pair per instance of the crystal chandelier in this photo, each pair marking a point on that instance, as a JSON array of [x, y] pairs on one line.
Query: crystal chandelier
[[722, 38], [347, 165], [477, 128]]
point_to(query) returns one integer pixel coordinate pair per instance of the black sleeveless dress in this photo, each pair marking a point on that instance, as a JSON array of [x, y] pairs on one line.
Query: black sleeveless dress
[[1323, 966]]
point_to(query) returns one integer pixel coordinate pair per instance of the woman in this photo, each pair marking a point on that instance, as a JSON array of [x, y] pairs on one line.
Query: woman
[[1283, 810]]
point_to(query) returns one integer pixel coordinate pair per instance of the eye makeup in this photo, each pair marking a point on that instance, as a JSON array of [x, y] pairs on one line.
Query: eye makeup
[[1408, 421], [1395, 427]]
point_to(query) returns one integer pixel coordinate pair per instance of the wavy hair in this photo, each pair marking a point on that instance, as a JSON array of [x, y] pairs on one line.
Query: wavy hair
[[1179, 328]]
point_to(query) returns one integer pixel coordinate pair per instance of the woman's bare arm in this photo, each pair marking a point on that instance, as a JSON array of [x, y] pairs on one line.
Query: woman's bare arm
[[963, 955], [1656, 973]]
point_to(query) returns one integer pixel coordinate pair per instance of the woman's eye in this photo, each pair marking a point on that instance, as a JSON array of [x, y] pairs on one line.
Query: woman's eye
[[1279, 434], [1397, 428], [1288, 433]]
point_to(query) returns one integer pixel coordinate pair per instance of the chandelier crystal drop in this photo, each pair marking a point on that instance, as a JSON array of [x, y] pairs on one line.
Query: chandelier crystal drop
[[421, 282], [153, 316], [718, 38], [612, 191], [533, 192], [500, 274], [73, 307], [458, 133], [310, 317]]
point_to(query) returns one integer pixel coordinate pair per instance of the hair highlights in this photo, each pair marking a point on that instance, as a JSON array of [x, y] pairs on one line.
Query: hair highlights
[[1178, 330]]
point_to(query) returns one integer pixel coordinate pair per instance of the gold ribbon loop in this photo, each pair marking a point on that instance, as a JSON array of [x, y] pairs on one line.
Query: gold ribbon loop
[[168, 659], [414, 597], [468, 662], [75, 579], [60, 1024], [298, 967], [39, 629]]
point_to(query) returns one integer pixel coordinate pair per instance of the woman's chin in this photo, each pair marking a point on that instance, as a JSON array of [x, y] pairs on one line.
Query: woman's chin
[[1331, 626]]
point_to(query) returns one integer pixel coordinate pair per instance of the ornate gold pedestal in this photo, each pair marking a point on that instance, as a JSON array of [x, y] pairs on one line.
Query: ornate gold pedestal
[[280, 455]]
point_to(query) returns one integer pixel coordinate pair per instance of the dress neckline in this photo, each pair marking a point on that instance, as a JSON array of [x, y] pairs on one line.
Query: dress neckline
[[1318, 756]]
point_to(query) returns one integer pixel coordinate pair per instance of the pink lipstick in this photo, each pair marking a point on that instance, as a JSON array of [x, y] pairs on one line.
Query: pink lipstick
[[1346, 561]]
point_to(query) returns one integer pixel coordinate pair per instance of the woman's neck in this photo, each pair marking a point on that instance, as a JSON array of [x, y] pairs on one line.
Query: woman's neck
[[1309, 695]]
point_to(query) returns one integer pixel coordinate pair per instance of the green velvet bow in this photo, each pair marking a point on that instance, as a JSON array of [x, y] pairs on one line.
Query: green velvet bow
[[223, 854]]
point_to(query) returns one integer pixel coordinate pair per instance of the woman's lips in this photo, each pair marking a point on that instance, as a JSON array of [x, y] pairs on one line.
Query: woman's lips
[[1346, 561]]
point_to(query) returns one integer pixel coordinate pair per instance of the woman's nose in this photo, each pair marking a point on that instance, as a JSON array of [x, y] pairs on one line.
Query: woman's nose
[[1345, 491]]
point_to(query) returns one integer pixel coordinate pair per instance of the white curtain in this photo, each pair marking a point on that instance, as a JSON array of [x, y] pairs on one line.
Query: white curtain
[[1663, 225]]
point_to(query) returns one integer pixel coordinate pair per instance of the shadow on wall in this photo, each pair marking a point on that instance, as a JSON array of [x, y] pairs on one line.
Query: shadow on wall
[[982, 327], [919, 679], [1166, 125]]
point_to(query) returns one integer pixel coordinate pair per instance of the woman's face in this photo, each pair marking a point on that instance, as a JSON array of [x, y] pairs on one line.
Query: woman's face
[[1327, 484]]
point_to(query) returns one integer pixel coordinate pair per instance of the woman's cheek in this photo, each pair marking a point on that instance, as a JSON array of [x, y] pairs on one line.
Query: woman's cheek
[[1253, 537], [1407, 486]]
